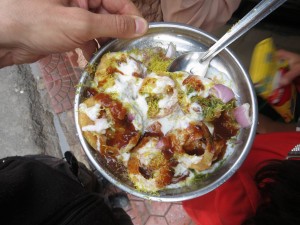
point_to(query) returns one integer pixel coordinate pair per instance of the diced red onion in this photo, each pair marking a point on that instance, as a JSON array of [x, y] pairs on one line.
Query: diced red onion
[[131, 117], [222, 92], [160, 144], [171, 51], [241, 114]]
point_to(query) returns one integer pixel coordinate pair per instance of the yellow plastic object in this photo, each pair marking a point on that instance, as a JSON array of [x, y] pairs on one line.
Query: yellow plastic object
[[265, 72]]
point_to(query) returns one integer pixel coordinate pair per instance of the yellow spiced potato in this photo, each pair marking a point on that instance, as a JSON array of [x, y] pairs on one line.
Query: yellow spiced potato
[[159, 130]]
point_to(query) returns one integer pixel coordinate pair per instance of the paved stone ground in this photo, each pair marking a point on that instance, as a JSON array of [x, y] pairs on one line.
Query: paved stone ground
[[26, 124]]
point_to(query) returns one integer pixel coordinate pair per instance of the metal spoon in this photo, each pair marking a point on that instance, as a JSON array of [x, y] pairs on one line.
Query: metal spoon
[[198, 62]]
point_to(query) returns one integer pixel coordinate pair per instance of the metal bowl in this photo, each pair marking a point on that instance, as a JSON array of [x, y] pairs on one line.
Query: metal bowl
[[186, 39]]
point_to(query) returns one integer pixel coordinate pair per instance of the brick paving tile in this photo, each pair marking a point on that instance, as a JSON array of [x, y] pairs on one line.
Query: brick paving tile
[[58, 108], [156, 220], [60, 80], [141, 211], [58, 97], [137, 221], [131, 213], [55, 74], [45, 61], [71, 94], [157, 208], [67, 85], [55, 87], [53, 101], [53, 62], [177, 216], [62, 70], [47, 77], [66, 104], [135, 218], [146, 210]]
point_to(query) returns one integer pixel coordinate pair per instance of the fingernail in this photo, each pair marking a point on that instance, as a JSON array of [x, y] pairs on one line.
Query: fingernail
[[141, 25]]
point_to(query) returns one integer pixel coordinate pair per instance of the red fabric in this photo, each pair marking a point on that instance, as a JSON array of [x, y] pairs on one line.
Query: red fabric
[[238, 198]]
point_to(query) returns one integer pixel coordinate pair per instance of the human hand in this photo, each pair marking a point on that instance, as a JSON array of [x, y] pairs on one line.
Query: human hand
[[32, 29], [294, 67]]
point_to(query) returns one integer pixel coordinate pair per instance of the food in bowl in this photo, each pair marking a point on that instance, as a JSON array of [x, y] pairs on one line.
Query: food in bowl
[[160, 130]]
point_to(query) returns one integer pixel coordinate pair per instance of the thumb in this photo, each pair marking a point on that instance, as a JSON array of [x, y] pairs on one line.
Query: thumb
[[90, 25]]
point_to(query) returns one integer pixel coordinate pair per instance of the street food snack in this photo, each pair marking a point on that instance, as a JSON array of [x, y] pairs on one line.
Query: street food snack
[[159, 129]]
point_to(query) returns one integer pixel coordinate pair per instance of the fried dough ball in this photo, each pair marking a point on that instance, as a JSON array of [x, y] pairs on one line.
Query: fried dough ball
[[108, 125], [148, 168]]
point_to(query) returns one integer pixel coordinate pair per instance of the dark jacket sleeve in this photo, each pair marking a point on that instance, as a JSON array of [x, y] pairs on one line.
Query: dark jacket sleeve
[[33, 193]]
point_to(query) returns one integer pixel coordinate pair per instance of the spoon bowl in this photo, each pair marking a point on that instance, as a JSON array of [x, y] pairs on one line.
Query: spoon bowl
[[198, 62], [190, 63]]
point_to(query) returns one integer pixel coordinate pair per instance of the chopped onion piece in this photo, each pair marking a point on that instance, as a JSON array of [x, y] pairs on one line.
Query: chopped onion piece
[[160, 144], [241, 114], [171, 51], [222, 92], [131, 117]]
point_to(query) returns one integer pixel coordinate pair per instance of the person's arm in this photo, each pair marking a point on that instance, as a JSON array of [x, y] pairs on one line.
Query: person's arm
[[205, 14], [31, 29]]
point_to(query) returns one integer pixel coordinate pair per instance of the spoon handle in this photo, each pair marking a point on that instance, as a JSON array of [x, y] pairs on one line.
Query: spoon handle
[[259, 12]]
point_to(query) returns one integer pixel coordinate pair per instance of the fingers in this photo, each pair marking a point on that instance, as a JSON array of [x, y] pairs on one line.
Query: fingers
[[83, 4], [294, 64], [123, 7], [117, 26], [86, 25]]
